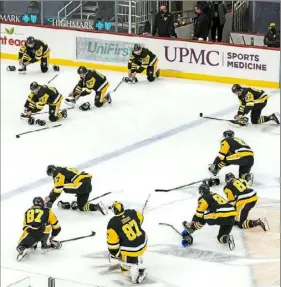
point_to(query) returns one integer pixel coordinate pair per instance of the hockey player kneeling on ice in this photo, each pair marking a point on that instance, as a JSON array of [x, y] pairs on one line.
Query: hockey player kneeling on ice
[[73, 181], [213, 209], [234, 151], [127, 241], [241, 195], [40, 96], [33, 51], [39, 222], [252, 100], [142, 59], [90, 80]]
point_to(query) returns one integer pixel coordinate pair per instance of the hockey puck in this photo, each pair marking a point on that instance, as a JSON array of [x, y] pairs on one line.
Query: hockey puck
[[17, 136], [201, 115]]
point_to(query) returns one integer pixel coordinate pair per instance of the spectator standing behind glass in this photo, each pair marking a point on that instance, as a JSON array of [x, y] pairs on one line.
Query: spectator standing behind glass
[[164, 23], [272, 37], [201, 25], [206, 7], [218, 19]]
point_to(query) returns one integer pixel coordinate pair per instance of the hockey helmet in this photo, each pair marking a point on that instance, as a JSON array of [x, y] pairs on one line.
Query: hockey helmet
[[229, 176], [34, 86], [38, 201], [228, 134], [30, 41], [236, 88], [204, 188], [137, 47], [117, 207], [82, 71], [51, 169]]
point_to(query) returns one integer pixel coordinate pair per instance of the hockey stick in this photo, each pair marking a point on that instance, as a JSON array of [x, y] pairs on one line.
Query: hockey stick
[[146, 203], [100, 196], [217, 119], [117, 86], [53, 78], [78, 238], [167, 224], [38, 130], [179, 187]]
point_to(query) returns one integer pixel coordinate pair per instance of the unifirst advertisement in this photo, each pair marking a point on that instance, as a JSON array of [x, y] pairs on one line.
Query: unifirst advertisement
[[177, 58]]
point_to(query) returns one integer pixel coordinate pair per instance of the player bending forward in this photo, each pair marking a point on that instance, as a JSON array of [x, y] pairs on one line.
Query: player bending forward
[[38, 223], [234, 151], [90, 80], [127, 241], [213, 209], [142, 59], [240, 194], [252, 100], [40, 96], [72, 181]]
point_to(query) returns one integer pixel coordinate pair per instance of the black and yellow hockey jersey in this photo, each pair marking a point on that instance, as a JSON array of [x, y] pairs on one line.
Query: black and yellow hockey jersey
[[125, 235], [68, 179], [212, 206], [36, 52], [39, 219], [46, 95], [145, 59], [93, 81], [249, 98], [239, 192], [232, 149]]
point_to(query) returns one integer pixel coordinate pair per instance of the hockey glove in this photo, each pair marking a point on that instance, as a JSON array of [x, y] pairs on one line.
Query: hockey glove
[[55, 244], [213, 170]]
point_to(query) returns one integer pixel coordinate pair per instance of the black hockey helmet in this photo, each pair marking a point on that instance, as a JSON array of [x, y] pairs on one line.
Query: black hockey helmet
[[228, 134], [236, 88], [51, 169], [229, 176], [34, 86], [204, 188], [117, 207], [137, 47], [30, 41], [38, 201], [82, 70]]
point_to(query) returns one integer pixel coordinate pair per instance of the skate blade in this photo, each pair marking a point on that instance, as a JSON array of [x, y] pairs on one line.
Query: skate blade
[[21, 256], [231, 243], [267, 228]]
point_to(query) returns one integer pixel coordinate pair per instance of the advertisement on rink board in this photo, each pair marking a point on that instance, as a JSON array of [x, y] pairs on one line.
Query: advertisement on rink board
[[92, 49], [177, 58]]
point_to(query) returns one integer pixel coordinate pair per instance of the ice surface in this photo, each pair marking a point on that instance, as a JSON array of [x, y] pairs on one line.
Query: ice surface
[[150, 137]]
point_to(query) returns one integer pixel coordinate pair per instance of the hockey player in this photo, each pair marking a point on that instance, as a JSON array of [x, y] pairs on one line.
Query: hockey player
[[240, 194], [32, 51], [71, 180], [38, 223], [234, 151], [40, 96], [127, 241], [252, 100], [90, 80], [213, 209], [142, 59]]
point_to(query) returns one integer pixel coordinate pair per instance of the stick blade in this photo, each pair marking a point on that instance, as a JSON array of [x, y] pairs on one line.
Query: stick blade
[[162, 190], [93, 233]]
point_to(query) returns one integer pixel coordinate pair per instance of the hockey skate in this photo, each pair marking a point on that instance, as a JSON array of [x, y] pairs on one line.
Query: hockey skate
[[64, 113], [262, 222], [230, 242], [275, 117], [142, 275], [22, 252], [108, 98], [45, 247], [70, 101], [101, 208], [22, 69]]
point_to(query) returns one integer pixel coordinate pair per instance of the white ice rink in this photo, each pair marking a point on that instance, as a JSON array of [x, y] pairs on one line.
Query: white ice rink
[[150, 137]]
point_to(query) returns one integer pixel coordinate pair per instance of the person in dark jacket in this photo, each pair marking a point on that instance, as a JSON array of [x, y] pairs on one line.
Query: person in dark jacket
[[206, 7], [272, 37], [201, 25], [218, 19], [164, 23]]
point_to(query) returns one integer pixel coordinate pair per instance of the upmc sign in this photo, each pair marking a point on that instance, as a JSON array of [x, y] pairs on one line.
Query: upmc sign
[[220, 60]]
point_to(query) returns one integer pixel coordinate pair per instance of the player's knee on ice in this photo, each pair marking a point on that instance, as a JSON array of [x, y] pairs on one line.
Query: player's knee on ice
[[150, 78], [98, 102], [53, 118]]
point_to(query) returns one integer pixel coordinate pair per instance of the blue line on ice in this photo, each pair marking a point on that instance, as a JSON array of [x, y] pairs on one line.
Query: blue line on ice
[[119, 152]]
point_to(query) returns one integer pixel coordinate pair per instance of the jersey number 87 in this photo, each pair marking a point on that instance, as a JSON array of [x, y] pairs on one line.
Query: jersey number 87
[[131, 230]]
